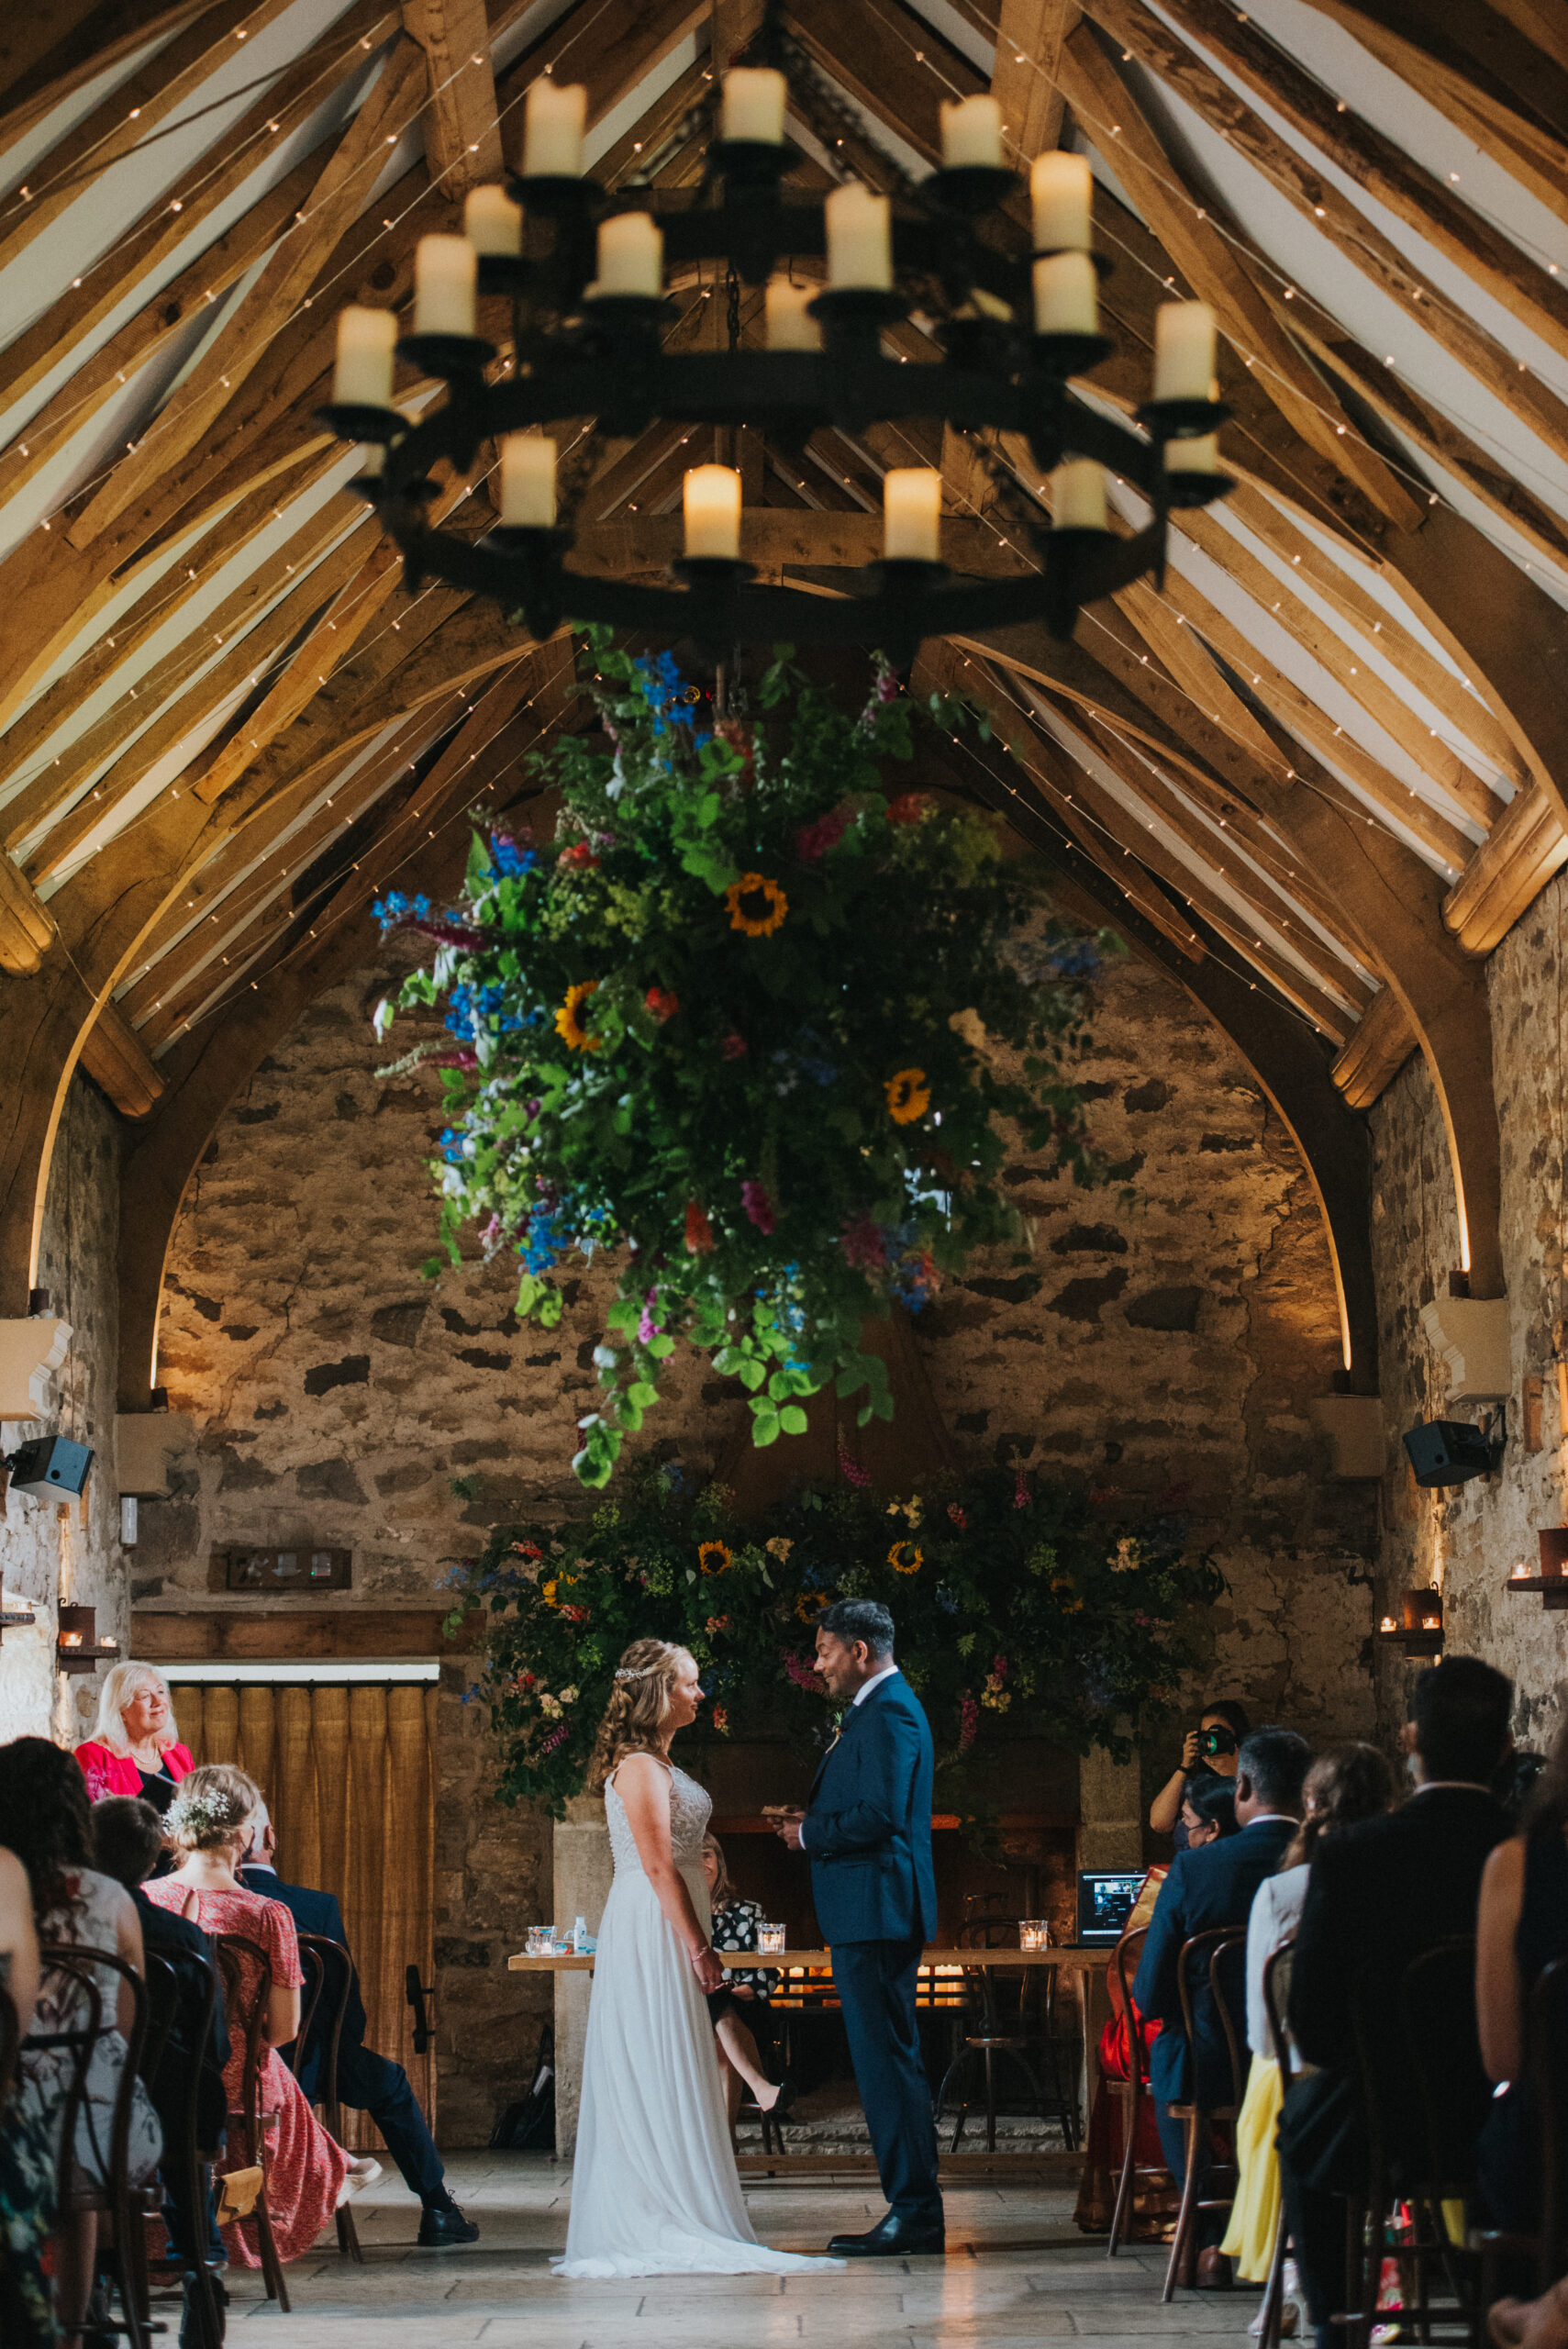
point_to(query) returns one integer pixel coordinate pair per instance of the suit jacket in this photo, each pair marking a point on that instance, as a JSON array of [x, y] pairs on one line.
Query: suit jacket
[[868, 1827], [186, 1948], [315, 1913], [1207, 1888], [1378, 1894]]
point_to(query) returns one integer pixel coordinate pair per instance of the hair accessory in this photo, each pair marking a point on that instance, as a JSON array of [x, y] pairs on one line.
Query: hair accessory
[[203, 1812], [641, 1671]]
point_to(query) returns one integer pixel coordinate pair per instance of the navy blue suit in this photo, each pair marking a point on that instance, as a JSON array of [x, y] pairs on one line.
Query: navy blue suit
[[372, 2083], [1207, 1888], [867, 1834]]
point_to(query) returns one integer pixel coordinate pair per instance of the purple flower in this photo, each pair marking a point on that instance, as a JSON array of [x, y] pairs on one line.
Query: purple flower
[[757, 1204]]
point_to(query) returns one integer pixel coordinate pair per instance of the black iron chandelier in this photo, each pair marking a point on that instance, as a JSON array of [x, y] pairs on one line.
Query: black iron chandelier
[[585, 273]]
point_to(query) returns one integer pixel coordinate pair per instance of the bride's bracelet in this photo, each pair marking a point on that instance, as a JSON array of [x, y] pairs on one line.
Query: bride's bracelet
[[697, 1956]]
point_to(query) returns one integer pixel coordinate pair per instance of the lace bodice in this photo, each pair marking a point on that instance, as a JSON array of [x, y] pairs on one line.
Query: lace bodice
[[691, 1808]]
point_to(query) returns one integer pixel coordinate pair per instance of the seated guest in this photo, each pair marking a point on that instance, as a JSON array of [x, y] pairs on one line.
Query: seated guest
[[128, 1839], [1155, 2198], [27, 2171], [1350, 1783], [371, 2083], [45, 1820], [1208, 1811], [734, 1927], [1522, 1927], [1377, 1894], [135, 1749], [1205, 1890], [1208, 1751], [308, 2173]]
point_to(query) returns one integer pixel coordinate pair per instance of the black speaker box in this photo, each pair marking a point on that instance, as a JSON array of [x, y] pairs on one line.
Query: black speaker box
[[50, 1464], [1449, 1451]]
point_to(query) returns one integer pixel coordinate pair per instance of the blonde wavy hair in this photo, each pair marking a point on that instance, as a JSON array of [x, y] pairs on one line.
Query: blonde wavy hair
[[213, 1807], [120, 1688], [639, 1705]]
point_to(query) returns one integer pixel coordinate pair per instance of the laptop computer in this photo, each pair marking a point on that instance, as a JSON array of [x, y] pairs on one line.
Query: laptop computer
[[1104, 1902]]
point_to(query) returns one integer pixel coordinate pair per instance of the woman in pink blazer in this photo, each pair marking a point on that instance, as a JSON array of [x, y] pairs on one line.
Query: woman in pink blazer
[[135, 1750]]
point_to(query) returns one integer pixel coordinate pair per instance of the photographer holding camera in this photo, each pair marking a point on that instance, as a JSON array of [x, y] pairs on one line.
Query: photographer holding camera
[[1208, 1751]]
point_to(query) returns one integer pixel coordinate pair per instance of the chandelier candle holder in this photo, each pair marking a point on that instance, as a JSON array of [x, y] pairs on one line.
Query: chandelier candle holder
[[586, 271]]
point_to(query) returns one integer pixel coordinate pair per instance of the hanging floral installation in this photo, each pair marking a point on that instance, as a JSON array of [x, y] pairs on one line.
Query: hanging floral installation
[[1020, 1610], [743, 1022]]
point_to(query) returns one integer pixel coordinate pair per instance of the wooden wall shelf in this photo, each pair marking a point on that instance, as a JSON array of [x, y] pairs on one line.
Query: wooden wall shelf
[[79, 1647]]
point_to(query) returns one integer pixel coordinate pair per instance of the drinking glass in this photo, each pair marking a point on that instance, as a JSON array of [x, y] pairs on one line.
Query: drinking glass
[[770, 1940], [1033, 1933]]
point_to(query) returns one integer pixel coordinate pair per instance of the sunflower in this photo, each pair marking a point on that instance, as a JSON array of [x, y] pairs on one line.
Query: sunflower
[[811, 1603], [571, 1020], [715, 1557], [908, 1096], [906, 1558], [757, 906]]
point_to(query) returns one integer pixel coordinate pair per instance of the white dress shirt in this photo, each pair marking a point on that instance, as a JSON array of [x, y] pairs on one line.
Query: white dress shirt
[[863, 1691]]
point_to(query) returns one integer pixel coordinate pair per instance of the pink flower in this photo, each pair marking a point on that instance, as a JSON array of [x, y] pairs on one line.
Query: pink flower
[[863, 1245], [813, 841], [804, 1674], [1021, 1490], [968, 1721], [733, 1047], [758, 1206], [852, 1472]]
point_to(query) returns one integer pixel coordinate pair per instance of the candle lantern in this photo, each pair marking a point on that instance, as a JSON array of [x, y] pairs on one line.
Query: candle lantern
[[1033, 1933], [771, 1940]]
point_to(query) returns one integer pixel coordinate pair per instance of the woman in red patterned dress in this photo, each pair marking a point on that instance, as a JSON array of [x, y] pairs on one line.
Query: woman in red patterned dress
[[308, 2173]]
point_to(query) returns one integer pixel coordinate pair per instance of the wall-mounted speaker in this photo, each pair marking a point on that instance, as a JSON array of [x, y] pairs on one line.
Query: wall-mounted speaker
[[50, 1464], [1450, 1452]]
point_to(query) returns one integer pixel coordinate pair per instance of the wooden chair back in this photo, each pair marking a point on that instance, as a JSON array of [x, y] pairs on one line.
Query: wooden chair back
[[1276, 2000], [1125, 1958], [1218, 1957]]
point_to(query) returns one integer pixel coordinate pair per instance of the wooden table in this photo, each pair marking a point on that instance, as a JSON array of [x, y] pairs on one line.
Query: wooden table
[[1082, 1963]]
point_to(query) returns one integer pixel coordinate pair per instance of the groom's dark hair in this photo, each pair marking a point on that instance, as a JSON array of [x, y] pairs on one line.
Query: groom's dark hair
[[859, 1618]]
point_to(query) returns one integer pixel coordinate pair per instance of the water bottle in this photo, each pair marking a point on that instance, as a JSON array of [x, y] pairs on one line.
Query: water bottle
[[579, 1935]]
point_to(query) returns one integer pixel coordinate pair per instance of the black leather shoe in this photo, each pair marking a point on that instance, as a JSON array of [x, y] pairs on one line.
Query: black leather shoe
[[896, 2238], [441, 2223]]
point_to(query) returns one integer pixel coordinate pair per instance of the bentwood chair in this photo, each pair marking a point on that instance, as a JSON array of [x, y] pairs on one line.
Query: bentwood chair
[[329, 1983], [1218, 1955], [1007, 2011], [171, 2069], [1131, 2093], [1276, 1997], [1543, 2075], [247, 1973]]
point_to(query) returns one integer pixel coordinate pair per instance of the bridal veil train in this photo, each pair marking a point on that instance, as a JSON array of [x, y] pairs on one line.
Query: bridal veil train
[[655, 2190]]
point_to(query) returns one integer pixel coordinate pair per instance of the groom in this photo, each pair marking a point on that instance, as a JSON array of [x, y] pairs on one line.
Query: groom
[[867, 1834]]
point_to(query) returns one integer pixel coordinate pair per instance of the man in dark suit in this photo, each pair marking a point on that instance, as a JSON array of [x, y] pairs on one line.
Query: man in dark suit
[[1207, 1889], [867, 1834], [1378, 1894], [372, 2083]]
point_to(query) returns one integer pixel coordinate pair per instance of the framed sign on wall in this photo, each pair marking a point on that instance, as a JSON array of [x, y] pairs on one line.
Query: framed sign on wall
[[299, 1569]]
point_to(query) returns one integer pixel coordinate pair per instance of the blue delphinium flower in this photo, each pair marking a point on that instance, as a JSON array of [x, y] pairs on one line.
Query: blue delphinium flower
[[508, 861]]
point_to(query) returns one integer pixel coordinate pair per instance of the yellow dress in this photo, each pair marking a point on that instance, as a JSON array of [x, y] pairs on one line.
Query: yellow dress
[[1255, 2214]]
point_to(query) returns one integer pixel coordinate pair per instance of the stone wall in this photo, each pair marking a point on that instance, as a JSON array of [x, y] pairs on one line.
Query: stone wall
[[51, 1552], [1163, 1349], [1468, 1538]]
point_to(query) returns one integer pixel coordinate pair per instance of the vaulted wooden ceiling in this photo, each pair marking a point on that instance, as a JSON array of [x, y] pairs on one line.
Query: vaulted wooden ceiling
[[1324, 767]]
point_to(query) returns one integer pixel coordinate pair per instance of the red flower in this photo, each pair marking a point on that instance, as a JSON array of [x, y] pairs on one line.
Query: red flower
[[910, 807], [579, 857], [661, 1003], [733, 1047], [699, 1232], [813, 841]]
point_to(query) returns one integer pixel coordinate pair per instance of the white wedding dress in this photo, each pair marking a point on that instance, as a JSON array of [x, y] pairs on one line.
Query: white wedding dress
[[654, 2189]]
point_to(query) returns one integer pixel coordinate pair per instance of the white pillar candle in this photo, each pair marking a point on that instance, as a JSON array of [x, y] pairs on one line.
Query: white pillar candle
[[1078, 495], [912, 512], [971, 132], [554, 114], [859, 237], [752, 104], [631, 254], [710, 497], [1066, 295], [445, 270], [492, 222], [785, 307], [373, 460], [527, 481], [1183, 350], [363, 376], [1059, 188], [1200, 456]]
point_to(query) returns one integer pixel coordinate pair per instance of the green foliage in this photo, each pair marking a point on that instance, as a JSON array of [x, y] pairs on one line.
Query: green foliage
[[741, 1023], [1018, 1613]]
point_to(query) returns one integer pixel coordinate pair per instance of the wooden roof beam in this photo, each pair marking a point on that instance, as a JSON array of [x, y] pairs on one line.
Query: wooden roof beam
[[463, 138]]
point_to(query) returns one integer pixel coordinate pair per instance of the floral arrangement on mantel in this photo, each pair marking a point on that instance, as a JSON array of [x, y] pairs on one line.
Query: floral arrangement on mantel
[[1020, 1610], [740, 1022]]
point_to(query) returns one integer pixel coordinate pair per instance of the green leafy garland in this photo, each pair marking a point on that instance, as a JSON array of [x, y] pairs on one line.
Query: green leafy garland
[[741, 1023], [1017, 1610]]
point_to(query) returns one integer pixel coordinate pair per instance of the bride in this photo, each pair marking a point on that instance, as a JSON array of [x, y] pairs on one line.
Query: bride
[[655, 2190]]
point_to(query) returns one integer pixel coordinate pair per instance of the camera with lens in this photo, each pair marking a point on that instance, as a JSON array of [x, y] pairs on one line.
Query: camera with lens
[[1217, 1740]]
